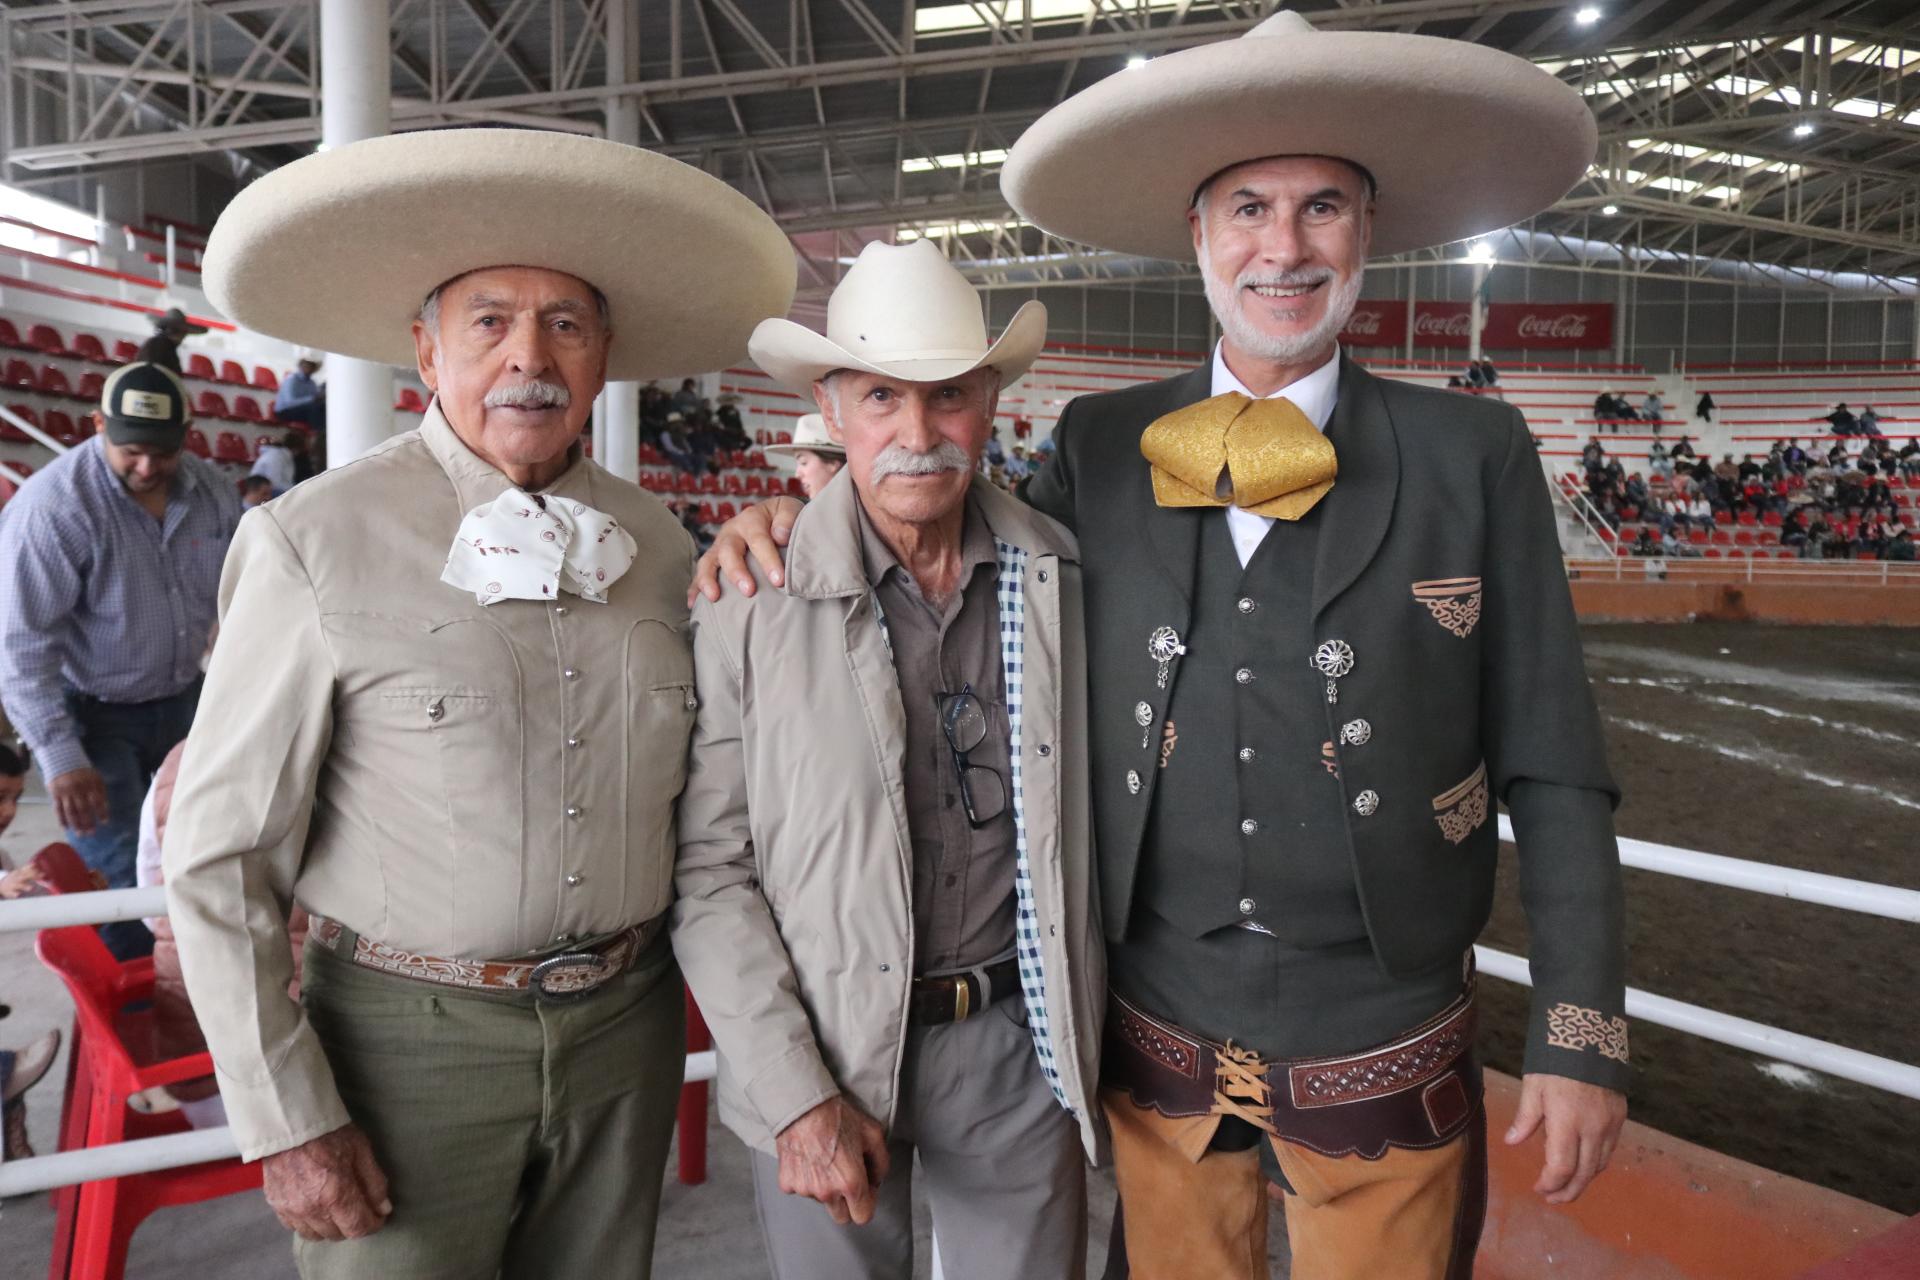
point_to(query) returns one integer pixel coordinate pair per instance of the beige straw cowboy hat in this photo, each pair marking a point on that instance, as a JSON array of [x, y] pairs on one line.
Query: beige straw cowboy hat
[[338, 250], [904, 312], [809, 433], [1461, 139]]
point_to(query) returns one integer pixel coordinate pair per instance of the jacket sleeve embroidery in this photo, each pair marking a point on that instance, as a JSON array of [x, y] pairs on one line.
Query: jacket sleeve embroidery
[[1571, 1026]]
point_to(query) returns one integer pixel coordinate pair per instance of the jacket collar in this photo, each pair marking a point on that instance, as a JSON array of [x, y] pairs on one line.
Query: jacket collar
[[476, 481], [824, 560]]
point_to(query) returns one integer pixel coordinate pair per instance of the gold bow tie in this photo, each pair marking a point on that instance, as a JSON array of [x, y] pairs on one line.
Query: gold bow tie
[[1279, 464]]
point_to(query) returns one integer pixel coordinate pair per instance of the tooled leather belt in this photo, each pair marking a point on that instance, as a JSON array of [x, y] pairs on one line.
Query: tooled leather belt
[[954, 997], [1419, 1090], [556, 978]]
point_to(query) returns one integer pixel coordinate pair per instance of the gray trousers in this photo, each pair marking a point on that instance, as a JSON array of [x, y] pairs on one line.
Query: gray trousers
[[521, 1140], [1004, 1170]]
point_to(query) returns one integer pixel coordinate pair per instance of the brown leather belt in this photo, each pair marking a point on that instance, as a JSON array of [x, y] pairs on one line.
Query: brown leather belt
[[1419, 1090], [557, 978], [953, 997]]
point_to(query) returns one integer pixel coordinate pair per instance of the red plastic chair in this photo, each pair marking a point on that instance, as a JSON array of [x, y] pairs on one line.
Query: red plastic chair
[[53, 382], [10, 336], [45, 338], [233, 373], [784, 437], [264, 379], [26, 413], [710, 483], [687, 483], [89, 348], [107, 1036], [211, 404], [197, 443], [198, 366], [20, 376], [61, 427], [733, 485], [231, 446], [247, 409], [755, 486], [411, 401], [125, 351], [795, 489]]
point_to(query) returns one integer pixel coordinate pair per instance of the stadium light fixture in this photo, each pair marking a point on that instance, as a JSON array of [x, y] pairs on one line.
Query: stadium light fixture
[[1136, 62], [1587, 15], [1802, 129], [1610, 210], [1481, 252]]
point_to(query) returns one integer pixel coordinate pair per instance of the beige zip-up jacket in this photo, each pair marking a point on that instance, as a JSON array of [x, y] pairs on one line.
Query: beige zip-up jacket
[[794, 923]]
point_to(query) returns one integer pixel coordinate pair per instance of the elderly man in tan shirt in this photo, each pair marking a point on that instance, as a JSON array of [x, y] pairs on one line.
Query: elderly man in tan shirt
[[449, 711]]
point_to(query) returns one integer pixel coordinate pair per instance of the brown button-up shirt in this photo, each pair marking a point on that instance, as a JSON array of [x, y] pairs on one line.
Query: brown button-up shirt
[[963, 906]]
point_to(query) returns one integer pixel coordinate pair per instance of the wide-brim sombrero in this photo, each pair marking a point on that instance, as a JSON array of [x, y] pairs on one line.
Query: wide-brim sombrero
[[339, 249], [1462, 139]]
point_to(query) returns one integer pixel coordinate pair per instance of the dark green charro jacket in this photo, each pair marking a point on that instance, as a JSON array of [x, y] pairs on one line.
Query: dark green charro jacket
[[1439, 567]]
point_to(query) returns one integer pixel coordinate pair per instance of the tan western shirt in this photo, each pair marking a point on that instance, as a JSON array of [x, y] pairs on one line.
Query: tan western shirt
[[448, 778]]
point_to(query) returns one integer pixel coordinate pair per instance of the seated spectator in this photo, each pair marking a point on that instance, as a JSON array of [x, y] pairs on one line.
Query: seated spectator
[[255, 490], [1793, 532], [1593, 454], [1651, 409], [1673, 546], [1837, 457], [1726, 470], [1488, 375], [1454, 383], [1018, 468], [675, 443], [275, 463], [1700, 512], [1645, 545], [686, 399], [176, 1032], [1658, 462], [1841, 419], [1901, 548], [1682, 449], [1910, 459], [1868, 423], [1703, 410], [1635, 491], [1472, 376], [1795, 457], [733, 431], [1603, 405], [301, 399]]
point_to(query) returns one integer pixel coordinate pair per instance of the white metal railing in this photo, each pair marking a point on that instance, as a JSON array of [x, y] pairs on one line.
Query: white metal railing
[[149, 1154], [1837, 573], [1742, 1033], [142, 1155], [33, 431]]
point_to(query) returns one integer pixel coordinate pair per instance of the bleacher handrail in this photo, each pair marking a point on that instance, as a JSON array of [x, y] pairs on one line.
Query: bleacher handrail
[[1753, 569], [1897, 362], [49, 232], [15, 420], [84, 268], [119, 304]]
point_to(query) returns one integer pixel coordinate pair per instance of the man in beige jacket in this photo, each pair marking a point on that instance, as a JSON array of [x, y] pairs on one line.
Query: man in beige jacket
[[449, 709], [886, 909]]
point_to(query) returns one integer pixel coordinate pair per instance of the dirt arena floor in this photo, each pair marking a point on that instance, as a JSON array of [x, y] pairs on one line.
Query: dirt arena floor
[[1796, 746]]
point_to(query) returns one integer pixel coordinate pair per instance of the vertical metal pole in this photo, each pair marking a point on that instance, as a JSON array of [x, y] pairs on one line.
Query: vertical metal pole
[[172, 260], [619, 450], [1916, 329], [1413, 289], [356, 76], [1620, 314], [1479, 314]]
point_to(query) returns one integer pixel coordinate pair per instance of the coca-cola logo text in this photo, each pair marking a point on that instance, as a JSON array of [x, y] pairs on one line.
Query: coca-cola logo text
[[1429, 325], [1364, 323], [1563, 325]]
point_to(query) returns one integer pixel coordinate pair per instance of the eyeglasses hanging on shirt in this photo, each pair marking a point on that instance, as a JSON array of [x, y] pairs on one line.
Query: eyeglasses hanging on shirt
[[982, 790]]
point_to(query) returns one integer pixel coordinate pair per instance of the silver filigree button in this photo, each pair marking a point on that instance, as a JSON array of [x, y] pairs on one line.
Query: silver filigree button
[[1164, 644], [1356, 733], [1246, 755], [1366, 803], [1246, 906], [1243, 676], [1133, 782], [1248, 826], [1333, 659], [1246, 605], [1142, 714]]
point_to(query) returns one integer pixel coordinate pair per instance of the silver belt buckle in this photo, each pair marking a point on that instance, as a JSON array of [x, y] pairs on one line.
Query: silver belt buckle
[[565, 978]]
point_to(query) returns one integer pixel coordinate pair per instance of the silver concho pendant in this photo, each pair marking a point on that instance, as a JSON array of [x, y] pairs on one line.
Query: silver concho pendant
[[1163, 646]]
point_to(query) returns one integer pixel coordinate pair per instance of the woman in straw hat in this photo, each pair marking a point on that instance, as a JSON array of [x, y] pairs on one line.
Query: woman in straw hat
[[1328, 629], [449, 708], [817, 456]]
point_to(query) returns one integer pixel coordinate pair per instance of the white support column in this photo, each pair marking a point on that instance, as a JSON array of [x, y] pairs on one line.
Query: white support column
[[1620, 305], [1916, 329], [355, 103], [617, 442], [1479, 310]]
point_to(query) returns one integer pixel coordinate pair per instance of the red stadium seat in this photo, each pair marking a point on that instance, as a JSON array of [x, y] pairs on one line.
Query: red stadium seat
[[1714, 553], [264, 379], [230, 446], [247, 409], [46, 338], [1698, 536], [20, 375], [125, 352], [687, 483], [10, 336], [61, 427], [211, 404], [197, 443], [1722, 538], [783, 437], [733, 485], [1771, 519], [92, 384], [1747, 517], [89, 348], [53, 381], [710, 483], [198, 366], [758, 461], [1742, 537], [725, 511], [26, 413], [410, 401], [13, 434], [707, 515], [755, 486], [795, 489], [233, 373]]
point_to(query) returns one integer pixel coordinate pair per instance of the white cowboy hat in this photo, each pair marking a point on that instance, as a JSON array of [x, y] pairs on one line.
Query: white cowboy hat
[[1462, 139], [338, 250], [809, 433], [901, 311]]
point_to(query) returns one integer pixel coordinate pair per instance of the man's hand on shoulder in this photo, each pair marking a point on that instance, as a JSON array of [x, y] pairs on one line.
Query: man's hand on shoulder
[[329, 1188], [1582, 1123], [835, 1154], [760, 530]]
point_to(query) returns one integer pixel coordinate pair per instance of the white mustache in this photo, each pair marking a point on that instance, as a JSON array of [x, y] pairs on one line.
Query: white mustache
[[529, 395], [897, 460]]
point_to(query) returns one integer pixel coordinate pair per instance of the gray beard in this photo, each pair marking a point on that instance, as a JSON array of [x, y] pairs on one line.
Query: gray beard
[[1224, 297]]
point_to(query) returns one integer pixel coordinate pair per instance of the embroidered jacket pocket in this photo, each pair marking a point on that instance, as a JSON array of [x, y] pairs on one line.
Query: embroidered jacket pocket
[[1453, 602], [1462, 809]]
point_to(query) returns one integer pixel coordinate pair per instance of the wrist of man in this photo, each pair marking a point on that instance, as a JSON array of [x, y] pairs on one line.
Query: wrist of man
[[61, 757]]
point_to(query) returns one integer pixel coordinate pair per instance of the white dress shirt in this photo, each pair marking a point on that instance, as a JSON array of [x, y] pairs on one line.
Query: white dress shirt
[[1313, 395]]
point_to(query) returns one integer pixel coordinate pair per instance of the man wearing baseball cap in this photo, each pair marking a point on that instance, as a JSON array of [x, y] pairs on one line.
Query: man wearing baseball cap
[[109, 574]]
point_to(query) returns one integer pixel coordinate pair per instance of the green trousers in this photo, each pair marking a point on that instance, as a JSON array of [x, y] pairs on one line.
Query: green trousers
[[521, 1139]]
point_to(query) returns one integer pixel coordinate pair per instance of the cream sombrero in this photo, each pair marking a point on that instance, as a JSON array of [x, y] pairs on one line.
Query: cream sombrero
[[810, 433], [904, 312], [339, 249], [1462, 139]]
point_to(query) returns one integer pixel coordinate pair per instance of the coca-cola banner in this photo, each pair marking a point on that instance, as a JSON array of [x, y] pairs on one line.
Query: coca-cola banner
[[1509, 325], [1376, 322], [1543, 325]]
